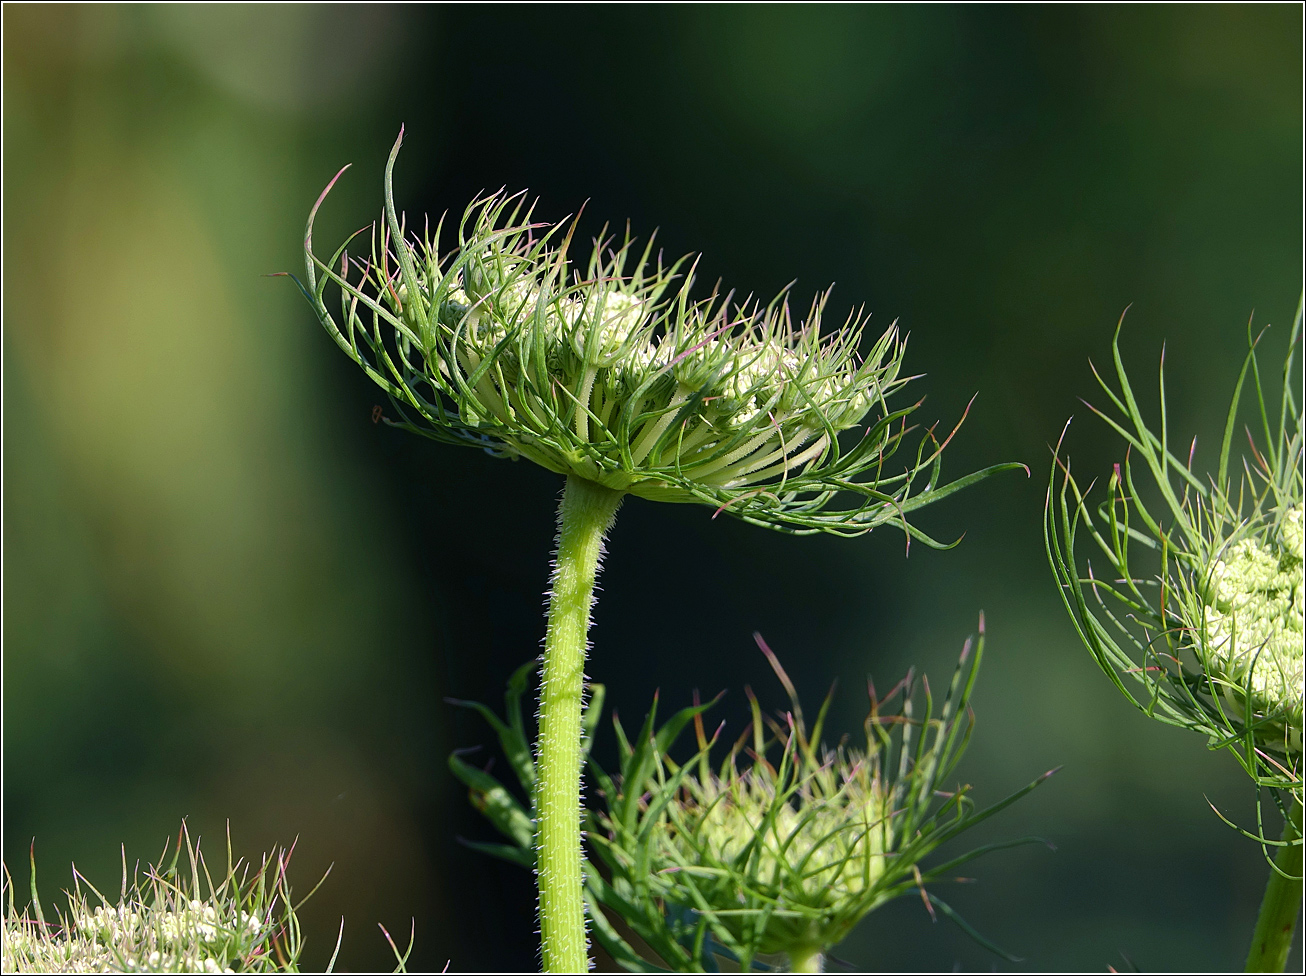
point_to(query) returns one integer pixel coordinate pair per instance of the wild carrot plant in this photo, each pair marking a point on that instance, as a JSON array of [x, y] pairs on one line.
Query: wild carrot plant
[[1193, 608], [613, 373]]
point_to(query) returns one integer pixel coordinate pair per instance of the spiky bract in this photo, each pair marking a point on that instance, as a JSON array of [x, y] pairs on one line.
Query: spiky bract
[[788, 851], [616, 374], [1198, 618], [819, 842]]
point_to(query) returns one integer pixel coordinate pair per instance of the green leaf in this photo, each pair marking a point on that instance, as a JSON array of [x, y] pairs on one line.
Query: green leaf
[[493, 799], [511, 741], [521, 856]]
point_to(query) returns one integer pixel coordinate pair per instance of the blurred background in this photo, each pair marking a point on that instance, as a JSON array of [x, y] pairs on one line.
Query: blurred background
[[229, 595]]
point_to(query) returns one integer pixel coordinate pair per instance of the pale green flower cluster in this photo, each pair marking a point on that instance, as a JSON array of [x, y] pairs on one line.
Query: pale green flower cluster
[[785, 859], [194, 927], [243, 922], [26, 952], [789, 851], [816, 849], [754, 398], [1255, 625]]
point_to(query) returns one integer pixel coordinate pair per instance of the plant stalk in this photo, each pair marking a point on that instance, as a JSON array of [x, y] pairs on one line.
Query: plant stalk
[[1281, 905], [806, 960], [584, 516]]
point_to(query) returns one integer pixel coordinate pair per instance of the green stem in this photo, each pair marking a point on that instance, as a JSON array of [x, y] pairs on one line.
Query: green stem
[[807, 960], [1282, 902], [584, 516]]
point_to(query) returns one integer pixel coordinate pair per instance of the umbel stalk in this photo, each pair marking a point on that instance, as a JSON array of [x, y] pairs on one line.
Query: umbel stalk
[[806, 961], [584, 516], [1281, 905]]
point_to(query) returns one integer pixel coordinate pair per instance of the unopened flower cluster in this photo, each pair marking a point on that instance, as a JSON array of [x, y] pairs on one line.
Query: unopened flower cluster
[[1195, 607], [786, 852], [1254, 626], [612, 370], [609, 377], [812, 849]]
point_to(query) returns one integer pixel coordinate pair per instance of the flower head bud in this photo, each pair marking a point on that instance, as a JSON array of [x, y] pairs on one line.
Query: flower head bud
[[819, 844], [1254, 628], [618, 375], [177, 917], [785, 853], [1193, 605]]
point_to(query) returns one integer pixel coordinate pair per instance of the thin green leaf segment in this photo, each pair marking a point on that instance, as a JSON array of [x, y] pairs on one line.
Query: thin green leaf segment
[[584, 516]]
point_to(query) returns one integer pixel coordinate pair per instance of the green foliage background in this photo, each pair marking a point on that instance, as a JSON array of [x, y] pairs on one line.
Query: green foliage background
[[227, 594]]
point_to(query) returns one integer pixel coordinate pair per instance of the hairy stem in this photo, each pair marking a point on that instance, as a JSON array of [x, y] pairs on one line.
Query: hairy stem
[[1282, 902], [584, 516]]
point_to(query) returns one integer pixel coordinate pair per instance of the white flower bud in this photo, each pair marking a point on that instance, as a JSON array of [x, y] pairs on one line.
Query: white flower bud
[[1254, 624]]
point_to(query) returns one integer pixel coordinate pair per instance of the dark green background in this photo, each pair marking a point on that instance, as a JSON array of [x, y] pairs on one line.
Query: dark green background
[[229, 595]]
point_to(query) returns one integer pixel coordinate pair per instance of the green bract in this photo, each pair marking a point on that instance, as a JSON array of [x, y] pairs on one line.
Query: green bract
[[615, 374], [1198, 616]]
